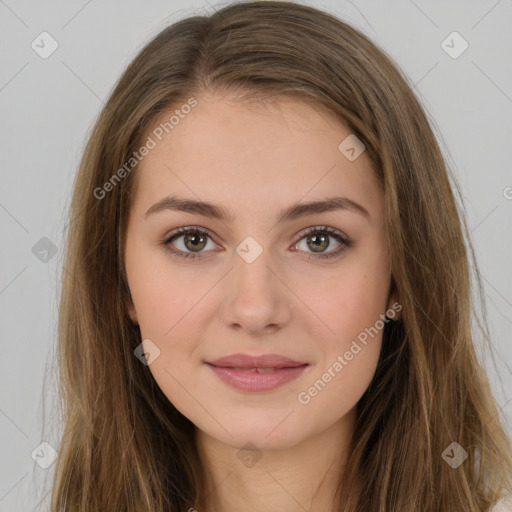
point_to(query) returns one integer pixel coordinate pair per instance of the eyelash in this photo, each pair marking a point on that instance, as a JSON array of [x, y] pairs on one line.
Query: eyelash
[[343, 240]]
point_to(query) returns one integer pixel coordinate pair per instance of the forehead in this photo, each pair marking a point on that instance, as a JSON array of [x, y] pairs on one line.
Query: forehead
[[251, 154]]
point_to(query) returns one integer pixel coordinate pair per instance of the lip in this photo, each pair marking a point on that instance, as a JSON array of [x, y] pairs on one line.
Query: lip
[[239, 371], [246, 361]]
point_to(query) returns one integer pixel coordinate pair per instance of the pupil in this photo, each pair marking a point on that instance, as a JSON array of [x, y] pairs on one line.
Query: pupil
[[322, 239], [198, 240]]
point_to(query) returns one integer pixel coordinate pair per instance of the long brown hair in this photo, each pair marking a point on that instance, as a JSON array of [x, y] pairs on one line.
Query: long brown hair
[[124, 445]]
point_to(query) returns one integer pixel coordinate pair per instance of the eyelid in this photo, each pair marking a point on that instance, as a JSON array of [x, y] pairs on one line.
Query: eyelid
[[324, 229], [184, 230]]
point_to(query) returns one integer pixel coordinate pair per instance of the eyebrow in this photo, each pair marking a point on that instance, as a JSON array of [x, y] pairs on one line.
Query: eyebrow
[[294, 211]]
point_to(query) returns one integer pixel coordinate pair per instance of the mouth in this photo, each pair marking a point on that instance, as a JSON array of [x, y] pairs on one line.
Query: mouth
[[259, 370], [265, 361], [257, 374]]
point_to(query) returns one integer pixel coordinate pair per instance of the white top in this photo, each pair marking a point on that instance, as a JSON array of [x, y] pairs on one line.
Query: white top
[[504, 505]]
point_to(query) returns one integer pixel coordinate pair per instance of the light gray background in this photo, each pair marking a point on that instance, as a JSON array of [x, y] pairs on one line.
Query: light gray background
[[47, 109]]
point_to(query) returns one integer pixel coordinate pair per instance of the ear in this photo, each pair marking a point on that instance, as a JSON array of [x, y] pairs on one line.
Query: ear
[[394, 306], [393, 303], [130, 308]]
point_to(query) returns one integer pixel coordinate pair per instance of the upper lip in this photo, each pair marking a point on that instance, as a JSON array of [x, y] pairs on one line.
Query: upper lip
[[263, 361]]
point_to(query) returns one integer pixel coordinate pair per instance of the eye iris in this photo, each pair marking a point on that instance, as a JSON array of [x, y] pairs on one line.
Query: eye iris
[[197, 240], [323, 242]]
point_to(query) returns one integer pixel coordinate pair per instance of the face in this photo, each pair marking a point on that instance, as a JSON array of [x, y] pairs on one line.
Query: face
[[309, 285]]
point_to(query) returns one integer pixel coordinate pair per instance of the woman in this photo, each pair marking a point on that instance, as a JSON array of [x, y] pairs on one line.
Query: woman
[[267, 302]]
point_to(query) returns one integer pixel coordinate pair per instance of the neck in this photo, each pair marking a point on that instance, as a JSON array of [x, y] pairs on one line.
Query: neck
[[302, 477]]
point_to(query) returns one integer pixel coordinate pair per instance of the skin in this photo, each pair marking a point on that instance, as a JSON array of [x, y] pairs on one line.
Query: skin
[[255, 160]]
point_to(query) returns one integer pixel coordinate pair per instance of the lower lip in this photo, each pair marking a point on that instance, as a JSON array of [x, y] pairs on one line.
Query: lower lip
[[253, 381]]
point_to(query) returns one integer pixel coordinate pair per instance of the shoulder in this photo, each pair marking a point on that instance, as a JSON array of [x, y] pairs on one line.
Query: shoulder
[[504, 505]]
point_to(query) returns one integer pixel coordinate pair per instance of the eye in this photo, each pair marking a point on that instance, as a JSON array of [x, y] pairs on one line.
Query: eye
[[192, 241], [317, 239]]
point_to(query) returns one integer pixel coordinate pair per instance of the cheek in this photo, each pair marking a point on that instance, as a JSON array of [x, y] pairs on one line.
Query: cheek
[[339, 385], [163, 294], [156, 306], [345, 301]]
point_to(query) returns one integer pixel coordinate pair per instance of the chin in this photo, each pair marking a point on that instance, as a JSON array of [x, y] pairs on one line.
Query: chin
[[262, 436]]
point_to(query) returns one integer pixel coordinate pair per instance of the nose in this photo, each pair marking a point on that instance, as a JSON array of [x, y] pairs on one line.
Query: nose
[[256, 298]]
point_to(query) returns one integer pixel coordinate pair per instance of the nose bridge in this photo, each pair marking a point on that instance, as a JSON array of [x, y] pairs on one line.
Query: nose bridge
[[255, 297], [254, 270]]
